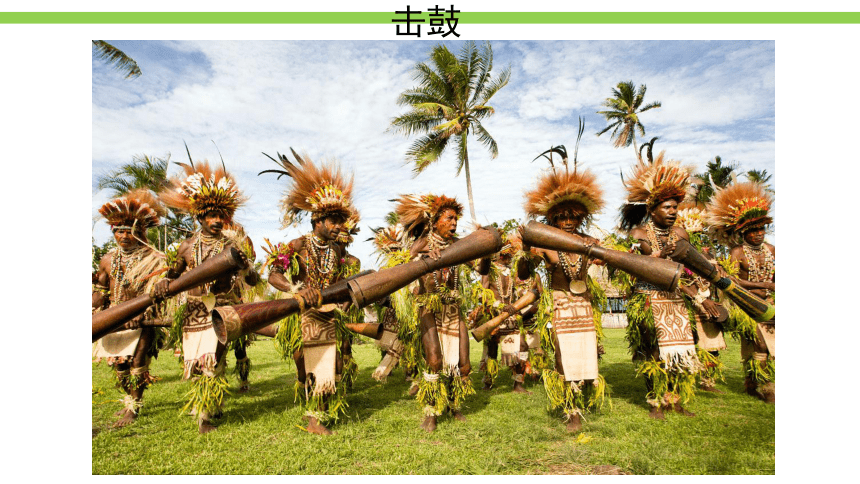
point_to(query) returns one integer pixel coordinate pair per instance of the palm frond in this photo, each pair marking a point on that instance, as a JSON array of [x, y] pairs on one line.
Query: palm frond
[[415, 122], [421, 96], [116, 58], [482, 111], [496, 84], [486, 139], [480, 82], [609, 127], [425, 151], [655, 104], [431, 82], [450, 128]]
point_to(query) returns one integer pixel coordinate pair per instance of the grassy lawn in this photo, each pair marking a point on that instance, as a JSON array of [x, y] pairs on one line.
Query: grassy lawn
[[505, 433]]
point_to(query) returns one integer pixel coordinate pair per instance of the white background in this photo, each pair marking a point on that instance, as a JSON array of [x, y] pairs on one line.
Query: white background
[[46, 126]]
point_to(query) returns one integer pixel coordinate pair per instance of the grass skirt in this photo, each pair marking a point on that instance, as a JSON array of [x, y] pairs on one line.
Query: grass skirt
[[573, 397]]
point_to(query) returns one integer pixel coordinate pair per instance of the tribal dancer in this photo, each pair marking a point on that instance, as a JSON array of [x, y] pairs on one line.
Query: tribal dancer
[[503, 287], [352, 266], [701, 301], [398, 343], [303, 268], [567, 200], [239, 346], [445, 381], [739, 215], [212, 197], [125, 273], [659, 331]]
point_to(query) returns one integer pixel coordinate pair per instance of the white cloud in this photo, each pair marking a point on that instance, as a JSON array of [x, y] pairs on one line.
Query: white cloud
[[335, 99]]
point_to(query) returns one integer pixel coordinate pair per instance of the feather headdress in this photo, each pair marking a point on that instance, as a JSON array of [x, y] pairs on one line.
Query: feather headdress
[[138, 208], [389, 239], [513, 243], [203, 190], [652, 183], [350, 227], [578, 189], [417, 212], [691, 217], [738, 208], [319, 190]]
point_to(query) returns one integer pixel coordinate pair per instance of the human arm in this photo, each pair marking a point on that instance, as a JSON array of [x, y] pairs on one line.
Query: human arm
[[252, 277], [159, 291], [738, 257], [101, 283]]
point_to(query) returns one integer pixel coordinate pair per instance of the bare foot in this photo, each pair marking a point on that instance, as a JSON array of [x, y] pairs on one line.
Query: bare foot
[[712, 389], [458, 415], [683, 411], [244, 388], [768, 396], [519, 388], [657, 413], [429, 423], [315, 427], [413, 390], [574, 424], [127, 417], [487, 386], [205, 426]]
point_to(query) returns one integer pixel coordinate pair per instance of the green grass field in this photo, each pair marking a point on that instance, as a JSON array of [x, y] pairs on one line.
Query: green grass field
[[506, 433]]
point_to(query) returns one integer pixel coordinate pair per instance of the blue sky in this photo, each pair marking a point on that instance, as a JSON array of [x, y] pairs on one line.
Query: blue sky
[[334, 100]]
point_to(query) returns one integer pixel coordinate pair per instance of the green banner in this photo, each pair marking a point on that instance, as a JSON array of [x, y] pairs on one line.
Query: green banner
[[463, 18]]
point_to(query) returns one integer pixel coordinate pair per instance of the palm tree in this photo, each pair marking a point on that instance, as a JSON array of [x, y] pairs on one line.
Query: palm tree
[[625, 107], [143, 172], [450, 102], [120, 61], [150, 173], [716, 173], [761, 177]]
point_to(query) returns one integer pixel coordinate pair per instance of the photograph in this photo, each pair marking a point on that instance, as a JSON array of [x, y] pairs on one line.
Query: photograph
[[439, 257]]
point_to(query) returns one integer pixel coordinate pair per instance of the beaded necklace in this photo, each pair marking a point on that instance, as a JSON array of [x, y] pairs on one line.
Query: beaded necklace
[[320, 262], [759, 272], [504, 295], [204, 247], [435, 241], [571, 271], [122, 262], [655, 234]]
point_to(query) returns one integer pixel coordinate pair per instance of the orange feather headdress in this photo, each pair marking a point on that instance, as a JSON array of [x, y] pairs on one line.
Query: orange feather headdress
[[738, 208], [418, 212], [138, 208], [319, 190], [652, 183], [556, 188], [203, 190], [387, 240]]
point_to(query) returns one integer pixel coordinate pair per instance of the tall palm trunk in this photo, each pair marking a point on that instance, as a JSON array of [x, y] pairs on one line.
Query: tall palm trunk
[[469, 189]]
